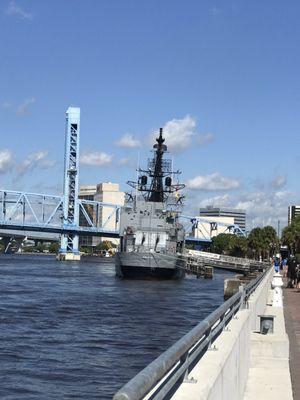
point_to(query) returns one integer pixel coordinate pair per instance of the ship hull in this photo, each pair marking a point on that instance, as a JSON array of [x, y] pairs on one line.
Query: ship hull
[[148, 266]]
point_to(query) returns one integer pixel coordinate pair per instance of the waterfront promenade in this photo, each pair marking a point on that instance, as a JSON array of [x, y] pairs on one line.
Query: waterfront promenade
[[274, 360], [242, 363]]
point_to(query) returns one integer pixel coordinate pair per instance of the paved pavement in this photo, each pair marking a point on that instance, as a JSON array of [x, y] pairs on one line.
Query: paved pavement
[[292, 324]]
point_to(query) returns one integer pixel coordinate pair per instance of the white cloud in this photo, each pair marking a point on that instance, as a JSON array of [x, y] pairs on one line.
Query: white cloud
[[216, 201], [213, 182], [128, 141], [33, 161], [96, 158], [46, 164], [23, 108], [181, 134], [14, 9], [262, 207], [278, 182], [5, 161]]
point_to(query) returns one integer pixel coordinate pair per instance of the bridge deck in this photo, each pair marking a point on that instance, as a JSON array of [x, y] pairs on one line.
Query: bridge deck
[[292, 324]]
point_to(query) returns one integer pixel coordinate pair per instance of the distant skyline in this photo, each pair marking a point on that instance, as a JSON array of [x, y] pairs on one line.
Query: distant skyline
[[221, 78]]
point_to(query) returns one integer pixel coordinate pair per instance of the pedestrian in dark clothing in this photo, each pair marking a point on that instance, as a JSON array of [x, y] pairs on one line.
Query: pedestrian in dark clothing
[[291, 274]]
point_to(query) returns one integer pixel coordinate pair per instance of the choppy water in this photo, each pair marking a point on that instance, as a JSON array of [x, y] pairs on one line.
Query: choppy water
[[74, 331]]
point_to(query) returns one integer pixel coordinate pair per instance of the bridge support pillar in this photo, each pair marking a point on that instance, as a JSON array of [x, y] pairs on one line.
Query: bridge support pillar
[[69, 242]]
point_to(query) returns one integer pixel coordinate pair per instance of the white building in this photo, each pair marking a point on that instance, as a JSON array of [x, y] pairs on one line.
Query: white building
[[238, 215], [105, 192]]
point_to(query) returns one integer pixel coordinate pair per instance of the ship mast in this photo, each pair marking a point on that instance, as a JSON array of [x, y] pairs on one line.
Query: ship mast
[[158, 188], [156, 193]]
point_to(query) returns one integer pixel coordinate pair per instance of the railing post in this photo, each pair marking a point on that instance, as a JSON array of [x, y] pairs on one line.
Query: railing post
[[243, 303], [277, 284]]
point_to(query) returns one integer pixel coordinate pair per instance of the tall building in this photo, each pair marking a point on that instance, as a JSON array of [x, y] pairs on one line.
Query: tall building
[[105, 192], [293, 212], [239, 216]]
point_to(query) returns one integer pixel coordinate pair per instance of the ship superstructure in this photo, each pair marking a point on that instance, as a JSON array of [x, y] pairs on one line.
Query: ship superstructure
[[151, 237]]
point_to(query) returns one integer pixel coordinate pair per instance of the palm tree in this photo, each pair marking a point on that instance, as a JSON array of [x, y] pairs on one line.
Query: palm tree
[[256, 243], [271, 241]]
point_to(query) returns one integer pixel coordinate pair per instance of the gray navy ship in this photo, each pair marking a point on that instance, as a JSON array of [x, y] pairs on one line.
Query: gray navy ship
[[151, 237]]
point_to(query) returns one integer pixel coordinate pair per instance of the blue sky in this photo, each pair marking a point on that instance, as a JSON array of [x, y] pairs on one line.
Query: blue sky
[[221, 77]]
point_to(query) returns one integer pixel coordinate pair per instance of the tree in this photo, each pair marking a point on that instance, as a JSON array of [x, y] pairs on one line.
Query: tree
[[229, 244], [40, 247], [263, 242], [221, 243], [85, 249], [255, 243], [105, 245], [271, 241], [291, 236], [54, 247], [238, 246]]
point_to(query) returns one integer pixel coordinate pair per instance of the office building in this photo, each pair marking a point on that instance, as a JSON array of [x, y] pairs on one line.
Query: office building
[[239, 216], [293, 212], [105, 192]]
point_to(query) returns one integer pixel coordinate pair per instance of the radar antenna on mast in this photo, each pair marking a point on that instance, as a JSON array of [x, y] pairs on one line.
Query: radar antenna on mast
[[155, 183]]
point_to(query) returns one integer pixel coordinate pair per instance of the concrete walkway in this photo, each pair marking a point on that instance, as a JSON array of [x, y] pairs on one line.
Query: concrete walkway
[[292, 323]]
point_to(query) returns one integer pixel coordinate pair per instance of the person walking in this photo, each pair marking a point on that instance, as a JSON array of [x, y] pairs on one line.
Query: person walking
[[298, 277], [284, 267], [291, 272], [276, 264]]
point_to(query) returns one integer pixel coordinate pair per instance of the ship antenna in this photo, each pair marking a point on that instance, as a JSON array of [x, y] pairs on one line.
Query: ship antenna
[[137, 173], [157, 190]]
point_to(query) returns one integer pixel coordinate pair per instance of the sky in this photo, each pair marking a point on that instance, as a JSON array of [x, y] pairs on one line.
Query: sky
[[221, 78]]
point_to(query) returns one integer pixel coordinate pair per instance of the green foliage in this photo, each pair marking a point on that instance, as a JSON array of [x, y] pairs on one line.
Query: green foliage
[[291, 236], [261, 243], [220, 243], [54, 247], [238, 246], [40, 247], [229, 244], [85, 249], [28, 249], [105, 245]]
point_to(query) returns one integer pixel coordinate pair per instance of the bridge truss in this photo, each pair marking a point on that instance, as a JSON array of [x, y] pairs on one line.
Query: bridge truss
[[23, 211], [201, 229]]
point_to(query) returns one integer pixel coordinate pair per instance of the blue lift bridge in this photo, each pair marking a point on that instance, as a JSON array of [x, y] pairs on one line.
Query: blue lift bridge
[[36, 212]]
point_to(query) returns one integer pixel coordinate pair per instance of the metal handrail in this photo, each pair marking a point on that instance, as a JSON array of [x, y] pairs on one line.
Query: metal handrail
[[173, 366]]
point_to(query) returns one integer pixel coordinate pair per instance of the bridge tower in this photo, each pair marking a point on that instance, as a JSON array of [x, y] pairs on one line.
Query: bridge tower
[[69, 241]]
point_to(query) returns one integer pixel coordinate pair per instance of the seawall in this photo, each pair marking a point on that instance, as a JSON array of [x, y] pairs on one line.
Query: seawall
[[245, 365]]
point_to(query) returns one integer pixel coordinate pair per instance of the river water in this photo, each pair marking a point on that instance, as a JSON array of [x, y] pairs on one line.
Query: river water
[[75, 331]]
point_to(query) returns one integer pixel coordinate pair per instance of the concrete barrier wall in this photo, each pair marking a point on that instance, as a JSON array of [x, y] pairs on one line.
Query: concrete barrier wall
[[258, 301], [222, 373]]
